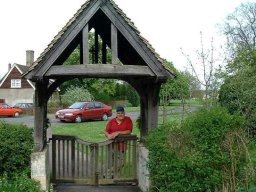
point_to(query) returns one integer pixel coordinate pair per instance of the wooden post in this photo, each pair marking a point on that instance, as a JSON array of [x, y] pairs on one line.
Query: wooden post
[[40, 107], [114, 44], [149, 107], [85, 45]]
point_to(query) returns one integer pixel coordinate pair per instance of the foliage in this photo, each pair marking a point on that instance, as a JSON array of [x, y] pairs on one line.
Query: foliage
[[206, 152], [177, 88], [133, 96], [15, 147], [238, 91], [238, 94], [74, 94], [239, 28], [101, 89], [19, 182], [121, 90]]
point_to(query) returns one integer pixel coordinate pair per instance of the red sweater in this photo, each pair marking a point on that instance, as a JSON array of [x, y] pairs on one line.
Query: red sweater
[[113, 126]]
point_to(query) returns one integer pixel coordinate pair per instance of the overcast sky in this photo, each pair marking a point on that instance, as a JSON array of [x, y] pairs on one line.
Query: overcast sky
[[167, 24]]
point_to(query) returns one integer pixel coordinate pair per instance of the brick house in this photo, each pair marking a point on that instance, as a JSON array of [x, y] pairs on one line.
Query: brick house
[[15, 89]]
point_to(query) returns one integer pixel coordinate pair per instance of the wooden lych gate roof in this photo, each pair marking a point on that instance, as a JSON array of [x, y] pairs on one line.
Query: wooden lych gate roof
[[133, 60], [136, 55]]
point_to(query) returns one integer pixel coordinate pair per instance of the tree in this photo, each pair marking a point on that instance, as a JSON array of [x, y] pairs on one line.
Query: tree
[[206, 62], [238, 94], [240, 29], [74, 94], [194, 84], [177, 88], [133, 96], [238, 91]]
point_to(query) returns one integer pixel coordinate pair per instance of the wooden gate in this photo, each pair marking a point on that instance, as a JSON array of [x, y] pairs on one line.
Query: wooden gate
[[108, 162]]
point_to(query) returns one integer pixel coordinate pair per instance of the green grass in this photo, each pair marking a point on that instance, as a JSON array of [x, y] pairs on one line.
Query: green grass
[[88, 131]]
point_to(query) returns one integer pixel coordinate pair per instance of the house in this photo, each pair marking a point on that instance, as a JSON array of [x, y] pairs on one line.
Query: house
[[15, 89]]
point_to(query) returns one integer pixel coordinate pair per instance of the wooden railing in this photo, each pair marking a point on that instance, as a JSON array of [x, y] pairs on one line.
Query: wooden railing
[[108, 162]]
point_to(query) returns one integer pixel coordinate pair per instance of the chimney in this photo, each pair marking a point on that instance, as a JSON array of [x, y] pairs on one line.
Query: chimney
[[9, 66], [29, 57]]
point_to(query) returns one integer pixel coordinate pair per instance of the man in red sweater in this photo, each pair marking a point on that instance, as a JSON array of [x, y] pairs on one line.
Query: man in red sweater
[[120, 125]]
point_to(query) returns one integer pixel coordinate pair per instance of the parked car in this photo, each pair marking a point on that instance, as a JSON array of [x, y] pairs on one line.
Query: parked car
[[6, 110], [81, 111], [23, 105]]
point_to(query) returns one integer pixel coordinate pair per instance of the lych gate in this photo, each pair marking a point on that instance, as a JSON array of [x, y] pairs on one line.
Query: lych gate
[[133, 61]]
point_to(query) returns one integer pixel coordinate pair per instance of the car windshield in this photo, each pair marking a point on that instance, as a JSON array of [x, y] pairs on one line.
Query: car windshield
[[77, 105], [17, 105]]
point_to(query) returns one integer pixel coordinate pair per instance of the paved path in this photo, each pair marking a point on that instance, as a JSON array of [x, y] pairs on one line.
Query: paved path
[[82, 188]]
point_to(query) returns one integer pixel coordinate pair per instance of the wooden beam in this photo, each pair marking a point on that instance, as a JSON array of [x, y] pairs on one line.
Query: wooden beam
[[64, 41], [99, 70], [85, 45], [114, 44], [133, 38]]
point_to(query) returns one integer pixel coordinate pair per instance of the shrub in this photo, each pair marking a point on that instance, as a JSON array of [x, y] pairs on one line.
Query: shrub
[[15, 147], [74, 94], [19, 182], [206, 152]]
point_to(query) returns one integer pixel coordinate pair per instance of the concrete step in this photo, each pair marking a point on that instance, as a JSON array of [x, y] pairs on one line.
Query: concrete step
[[71, 187]]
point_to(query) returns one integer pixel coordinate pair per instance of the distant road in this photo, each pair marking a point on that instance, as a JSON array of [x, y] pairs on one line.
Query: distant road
[[29, 120]]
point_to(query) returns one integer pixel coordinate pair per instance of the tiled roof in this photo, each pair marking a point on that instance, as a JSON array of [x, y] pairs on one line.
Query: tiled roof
[[121, 13], [23, 68]]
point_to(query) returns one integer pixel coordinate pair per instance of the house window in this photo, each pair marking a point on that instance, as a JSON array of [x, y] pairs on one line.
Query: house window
[[16, 83]]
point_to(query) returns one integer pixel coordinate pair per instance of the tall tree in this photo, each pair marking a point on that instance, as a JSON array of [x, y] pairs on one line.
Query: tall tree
[[240, 30], [238, 92], [204, 68]]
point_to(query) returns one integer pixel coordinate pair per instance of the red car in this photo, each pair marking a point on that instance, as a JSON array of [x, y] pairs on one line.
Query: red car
[[81, 111], [6, 110]]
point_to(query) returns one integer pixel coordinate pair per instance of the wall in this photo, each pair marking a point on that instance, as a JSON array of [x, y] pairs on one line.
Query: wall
[[13, 96]]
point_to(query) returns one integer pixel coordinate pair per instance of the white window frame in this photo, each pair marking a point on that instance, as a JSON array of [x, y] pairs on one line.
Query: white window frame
[[15, 83]]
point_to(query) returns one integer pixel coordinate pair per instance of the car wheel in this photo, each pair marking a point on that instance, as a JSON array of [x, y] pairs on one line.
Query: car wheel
[[104, 117], [78, 119], [16, 114]]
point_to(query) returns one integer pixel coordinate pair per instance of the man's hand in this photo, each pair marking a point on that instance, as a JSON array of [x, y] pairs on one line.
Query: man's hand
[[112, 135]]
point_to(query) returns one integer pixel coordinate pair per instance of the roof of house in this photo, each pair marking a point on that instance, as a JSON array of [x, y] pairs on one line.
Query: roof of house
[[21, 68], [83, 8]]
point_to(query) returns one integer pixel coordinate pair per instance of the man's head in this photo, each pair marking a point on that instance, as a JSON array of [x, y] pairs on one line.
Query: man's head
[[120, 113]]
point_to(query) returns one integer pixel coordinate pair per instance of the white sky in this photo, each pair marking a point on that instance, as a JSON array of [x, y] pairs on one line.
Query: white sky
[[168, 25]]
